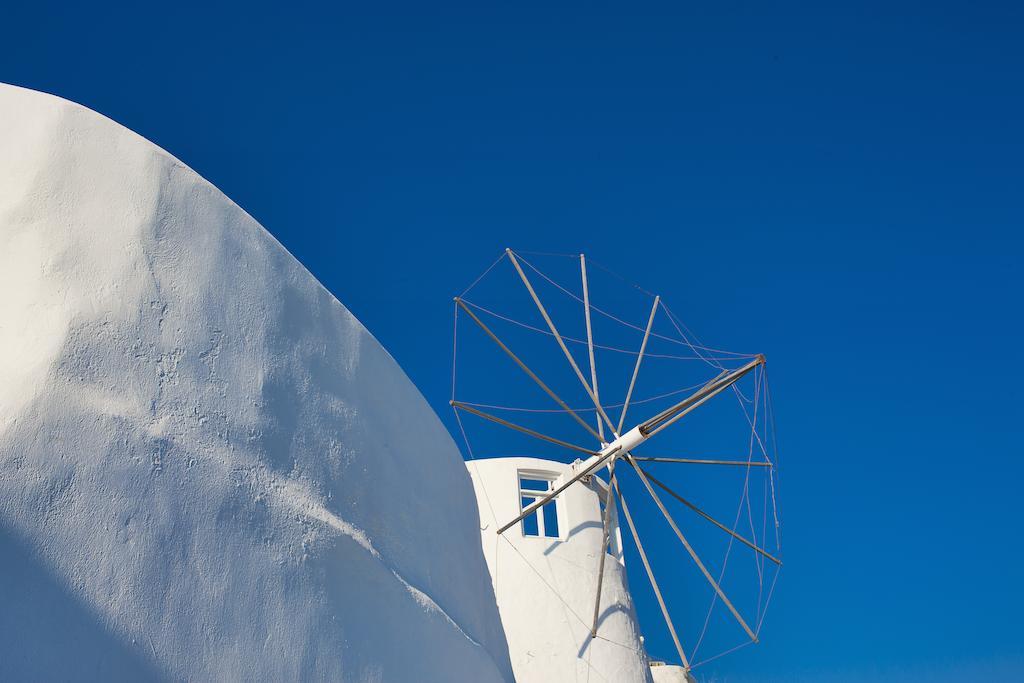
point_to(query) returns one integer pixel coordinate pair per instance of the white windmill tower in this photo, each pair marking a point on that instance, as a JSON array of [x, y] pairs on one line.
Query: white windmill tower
[[550, 526]]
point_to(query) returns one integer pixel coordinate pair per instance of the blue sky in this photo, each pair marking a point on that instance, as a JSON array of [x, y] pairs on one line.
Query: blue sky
[[838, 187]]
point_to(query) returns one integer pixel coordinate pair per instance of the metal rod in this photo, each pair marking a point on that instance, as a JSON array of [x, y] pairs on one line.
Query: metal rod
[[604, 544], [690, 408], [689, 548], [670, 415], [717, 377], [533, 507], [558, 338], [715, 383], [590, 341], [695, 461], [711, 519], [639, 359], [528, 371], [650, 576], [524, 430]]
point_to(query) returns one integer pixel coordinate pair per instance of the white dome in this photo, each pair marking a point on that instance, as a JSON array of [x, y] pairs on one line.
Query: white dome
[[209, 470]]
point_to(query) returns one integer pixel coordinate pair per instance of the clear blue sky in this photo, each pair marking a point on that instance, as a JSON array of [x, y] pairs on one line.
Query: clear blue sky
[[840, 188]]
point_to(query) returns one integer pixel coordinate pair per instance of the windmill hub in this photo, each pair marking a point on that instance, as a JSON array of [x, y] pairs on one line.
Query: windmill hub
[[615, 450]]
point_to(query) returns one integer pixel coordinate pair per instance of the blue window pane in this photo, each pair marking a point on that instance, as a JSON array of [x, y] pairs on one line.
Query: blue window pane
[[534, 484], [550, 520], [530, 527]]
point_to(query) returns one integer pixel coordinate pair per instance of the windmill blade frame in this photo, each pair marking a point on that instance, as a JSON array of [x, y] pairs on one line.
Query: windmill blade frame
[[615, 442]]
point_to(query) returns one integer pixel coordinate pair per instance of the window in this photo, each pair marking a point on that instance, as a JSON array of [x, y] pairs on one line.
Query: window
[[532, 487]]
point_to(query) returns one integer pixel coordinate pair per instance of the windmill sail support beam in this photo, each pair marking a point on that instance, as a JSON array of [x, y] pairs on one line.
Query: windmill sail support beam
[[650, 576], [693, 554], [671, 415], [606, 529], [530, 373], [639, 361], [702, 461], [511, 425], [642, 432], [753, 546], [558, 338], [590, 340]]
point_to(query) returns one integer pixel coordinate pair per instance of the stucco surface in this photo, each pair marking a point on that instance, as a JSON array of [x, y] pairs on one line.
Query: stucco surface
[[209, 469], [546, 587]]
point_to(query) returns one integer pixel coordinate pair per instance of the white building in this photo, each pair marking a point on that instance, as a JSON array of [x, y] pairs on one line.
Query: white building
[[209, 469], [545, 574]]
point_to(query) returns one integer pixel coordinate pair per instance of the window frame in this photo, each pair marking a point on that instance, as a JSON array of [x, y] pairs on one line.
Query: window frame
[[538, 515]]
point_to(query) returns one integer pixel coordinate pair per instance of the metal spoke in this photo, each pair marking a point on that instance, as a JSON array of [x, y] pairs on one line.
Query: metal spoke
[[650, 576], [695, 461], [524, 430], [561, 343], [639, 360], [711, 519], [604, 544], [590, 342], [536, 505], [689, 548], [701, 396], [528, 371]]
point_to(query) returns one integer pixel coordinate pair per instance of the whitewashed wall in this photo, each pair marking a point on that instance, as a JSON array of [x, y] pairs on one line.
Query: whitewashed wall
[[209, 469], [546, 587]]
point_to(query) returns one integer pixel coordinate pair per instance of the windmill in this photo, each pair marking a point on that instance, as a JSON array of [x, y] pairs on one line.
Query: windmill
[[616, 440]]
